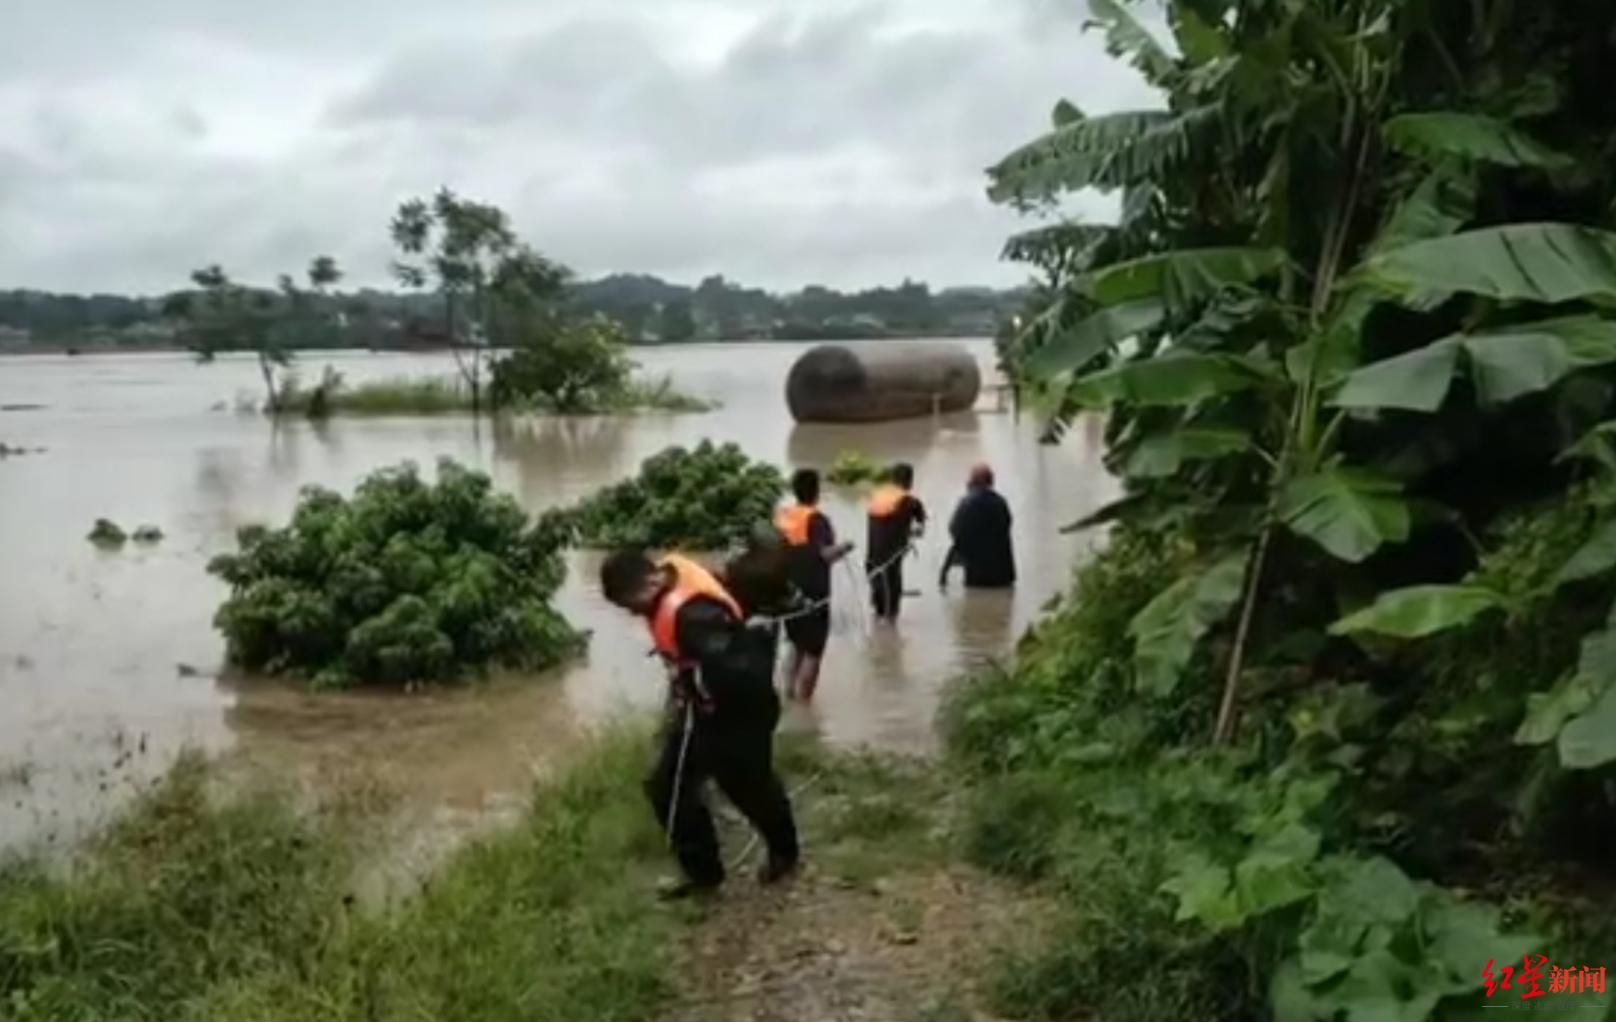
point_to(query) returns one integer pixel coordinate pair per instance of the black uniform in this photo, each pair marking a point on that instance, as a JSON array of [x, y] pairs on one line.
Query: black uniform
[[888, 537], [980, 529], [810, 573], [731, 740]]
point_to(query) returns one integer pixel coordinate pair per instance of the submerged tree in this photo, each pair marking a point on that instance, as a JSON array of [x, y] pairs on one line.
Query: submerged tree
[[491, 283], [221, 315]]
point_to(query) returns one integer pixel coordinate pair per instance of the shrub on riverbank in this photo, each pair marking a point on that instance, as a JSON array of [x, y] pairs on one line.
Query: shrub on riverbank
[[704, 498], [406, 581]]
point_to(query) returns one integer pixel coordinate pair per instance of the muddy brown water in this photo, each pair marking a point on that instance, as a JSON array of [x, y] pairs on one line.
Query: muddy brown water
[[109, 663]]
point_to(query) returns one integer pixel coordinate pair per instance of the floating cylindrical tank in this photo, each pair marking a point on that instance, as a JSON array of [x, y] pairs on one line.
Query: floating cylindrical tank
[[837, 383]]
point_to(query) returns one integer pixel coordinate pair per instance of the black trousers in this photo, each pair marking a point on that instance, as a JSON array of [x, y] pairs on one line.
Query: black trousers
[[886, 589], [738, 755]]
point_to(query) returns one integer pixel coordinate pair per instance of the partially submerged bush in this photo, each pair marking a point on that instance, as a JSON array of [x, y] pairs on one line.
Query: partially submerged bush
[[147, 534], [852, 468], [106, 532], [407, 581], [706, 498], [580, 367]]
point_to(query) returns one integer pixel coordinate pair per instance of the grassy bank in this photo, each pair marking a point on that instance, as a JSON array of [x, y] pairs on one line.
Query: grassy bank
[[204, 903], [431, 395], [198, 905]]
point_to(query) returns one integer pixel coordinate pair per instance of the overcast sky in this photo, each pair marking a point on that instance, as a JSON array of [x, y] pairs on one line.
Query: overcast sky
[[779, 142]]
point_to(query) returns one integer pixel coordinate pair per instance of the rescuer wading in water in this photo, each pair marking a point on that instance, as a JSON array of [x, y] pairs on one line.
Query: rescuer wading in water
[[896, 518], [814, 549], [723, 711], [980, 530]]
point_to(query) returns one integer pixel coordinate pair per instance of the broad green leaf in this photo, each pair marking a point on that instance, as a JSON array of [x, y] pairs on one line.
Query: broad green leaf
[[1109, 152], [1181, 276], [1504, 363], [1275, 872], [1471, 137], [1589, 740], [1548, 263], [1200, 41], [1166, 452], [1417, 381], [1444, 202], [1593, 558], [1547, 712], [1350, 512], [1510, 362], [1418, 611], [1167, 629], [1076, 347], [1598, 445], [1460, 934], [1370, 890], [1290, 998], [1170, 379], [1205, 893], [1125, 36]]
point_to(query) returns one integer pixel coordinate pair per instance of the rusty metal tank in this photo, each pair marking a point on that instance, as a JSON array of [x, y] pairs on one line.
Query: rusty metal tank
[[875, 383]]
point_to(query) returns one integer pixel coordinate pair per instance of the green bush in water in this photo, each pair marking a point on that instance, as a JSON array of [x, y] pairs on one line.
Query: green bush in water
[[852, 468], [407, 581], [706, 498], [147, 534], [107, 533]]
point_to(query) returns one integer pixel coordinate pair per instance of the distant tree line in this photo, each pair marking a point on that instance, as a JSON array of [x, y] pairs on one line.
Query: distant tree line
[[650, 309]]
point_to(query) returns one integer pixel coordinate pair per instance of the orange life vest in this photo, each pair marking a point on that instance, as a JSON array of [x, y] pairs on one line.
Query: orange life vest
[[793, 523], [886, 500], [690, 580]]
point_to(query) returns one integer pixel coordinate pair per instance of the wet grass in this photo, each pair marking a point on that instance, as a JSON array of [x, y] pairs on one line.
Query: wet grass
[[197, 906], [208, 902]]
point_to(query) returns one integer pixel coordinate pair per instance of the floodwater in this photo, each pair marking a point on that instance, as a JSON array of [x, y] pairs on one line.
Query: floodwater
[[109, 663]]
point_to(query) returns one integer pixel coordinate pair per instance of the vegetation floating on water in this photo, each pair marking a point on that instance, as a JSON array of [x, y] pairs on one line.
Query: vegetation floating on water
[[705, 498], [106, 532], [147, 534], [853, 468], [404, 582], [1333, 723]]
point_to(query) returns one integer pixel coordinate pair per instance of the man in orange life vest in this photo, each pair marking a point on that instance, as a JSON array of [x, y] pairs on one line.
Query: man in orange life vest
[[724, 711], [814, 549], [896, 518]]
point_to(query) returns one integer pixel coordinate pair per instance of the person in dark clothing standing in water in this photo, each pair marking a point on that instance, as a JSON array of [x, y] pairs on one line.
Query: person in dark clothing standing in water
[[723, 712], [814, 549], [980, 530], [896, 518]]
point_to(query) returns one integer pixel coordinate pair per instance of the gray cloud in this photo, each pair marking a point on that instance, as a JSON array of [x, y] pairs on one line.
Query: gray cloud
[[778, 142]]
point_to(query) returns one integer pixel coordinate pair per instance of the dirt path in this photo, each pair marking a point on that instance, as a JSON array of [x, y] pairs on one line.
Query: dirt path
[[880, 926]]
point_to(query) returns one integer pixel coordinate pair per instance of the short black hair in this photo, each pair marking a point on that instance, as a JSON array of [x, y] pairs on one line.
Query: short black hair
[[623, 572], [903, 474], [805, 485]]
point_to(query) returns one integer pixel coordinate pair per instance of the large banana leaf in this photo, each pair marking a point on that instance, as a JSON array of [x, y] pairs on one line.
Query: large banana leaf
[[1505, 363], [1167, 629], [1066, 246], [1350, 512], [1124, 35], [1165, 380], [1417, 381], [1164, 453], [1079, 345], [1181, 276], [1442, 203], [1471, 137], [1418, 611], [1548, 263], [1107, 152]]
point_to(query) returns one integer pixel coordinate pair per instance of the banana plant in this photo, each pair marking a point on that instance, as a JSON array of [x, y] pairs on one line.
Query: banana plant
[[1286, 204]]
